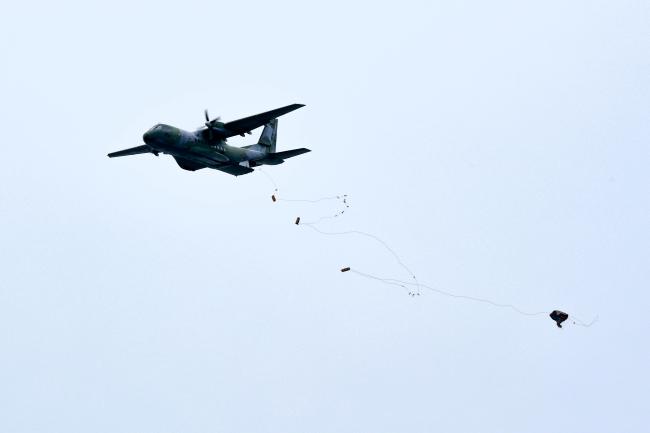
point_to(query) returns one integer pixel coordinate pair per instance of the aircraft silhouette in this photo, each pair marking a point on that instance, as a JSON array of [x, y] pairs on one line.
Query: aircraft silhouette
[[206, 147]]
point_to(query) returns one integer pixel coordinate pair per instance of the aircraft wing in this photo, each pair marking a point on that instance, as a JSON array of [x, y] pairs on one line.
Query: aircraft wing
[[132, 151], [247, 124]]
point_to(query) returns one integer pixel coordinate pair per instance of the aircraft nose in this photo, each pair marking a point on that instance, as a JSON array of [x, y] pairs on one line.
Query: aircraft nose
[[148, 136]]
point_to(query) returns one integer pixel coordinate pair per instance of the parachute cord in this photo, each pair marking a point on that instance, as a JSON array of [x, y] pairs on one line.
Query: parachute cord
[[310, 201], [324, 218], [268, 176], [383, 280], [343, 198], [578, 322], [395, 255], [575, 320], [450, 294], [391, 281]]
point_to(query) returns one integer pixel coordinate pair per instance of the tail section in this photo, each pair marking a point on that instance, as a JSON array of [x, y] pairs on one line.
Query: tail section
[[269, 136], [266, 144], [279, 157]]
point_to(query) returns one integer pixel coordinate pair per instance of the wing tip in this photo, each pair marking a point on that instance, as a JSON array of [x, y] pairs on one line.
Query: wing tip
[[295, 106]]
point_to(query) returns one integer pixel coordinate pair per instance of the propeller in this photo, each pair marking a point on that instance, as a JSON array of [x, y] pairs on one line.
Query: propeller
[[210, 123]]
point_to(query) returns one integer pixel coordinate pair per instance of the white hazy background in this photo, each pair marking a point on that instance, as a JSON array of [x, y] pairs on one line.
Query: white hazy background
[[501, 148]]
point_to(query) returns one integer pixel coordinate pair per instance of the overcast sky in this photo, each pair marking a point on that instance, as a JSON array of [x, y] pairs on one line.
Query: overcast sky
[[501, 148]]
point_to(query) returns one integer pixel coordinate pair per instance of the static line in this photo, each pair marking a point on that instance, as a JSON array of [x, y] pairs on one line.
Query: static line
[[268, 176], [397, 257], [310, 201], [395, 282], [276, 196], [579, 322], [449, 294]]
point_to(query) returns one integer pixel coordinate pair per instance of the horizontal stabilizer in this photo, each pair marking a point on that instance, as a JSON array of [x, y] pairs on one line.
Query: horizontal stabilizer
[[289, 153], [132, 151], [279, 157]]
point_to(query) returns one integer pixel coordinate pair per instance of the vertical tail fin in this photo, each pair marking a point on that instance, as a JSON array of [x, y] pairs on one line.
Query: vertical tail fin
[[269, 135]]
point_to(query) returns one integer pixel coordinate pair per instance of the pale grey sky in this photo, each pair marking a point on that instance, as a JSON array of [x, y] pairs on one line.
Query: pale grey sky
[[500, 147]]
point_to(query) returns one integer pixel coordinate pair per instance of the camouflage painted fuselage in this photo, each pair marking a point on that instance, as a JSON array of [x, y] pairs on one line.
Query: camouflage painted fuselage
[[193, 147]]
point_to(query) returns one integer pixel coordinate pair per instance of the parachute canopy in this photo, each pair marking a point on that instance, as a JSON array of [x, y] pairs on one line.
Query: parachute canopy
[[559, 317]]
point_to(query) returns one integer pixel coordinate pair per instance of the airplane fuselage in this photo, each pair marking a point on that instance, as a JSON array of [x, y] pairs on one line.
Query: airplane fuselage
[[194, 147]]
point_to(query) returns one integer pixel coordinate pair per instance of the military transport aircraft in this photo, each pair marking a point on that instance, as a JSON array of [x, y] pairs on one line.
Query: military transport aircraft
[[206, 147]]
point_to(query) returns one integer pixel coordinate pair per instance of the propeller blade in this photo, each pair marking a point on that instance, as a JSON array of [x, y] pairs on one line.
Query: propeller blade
[[209, 124]]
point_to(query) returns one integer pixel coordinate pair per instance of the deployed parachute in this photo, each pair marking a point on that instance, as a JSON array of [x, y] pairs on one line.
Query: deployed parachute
[[413, 287], [559, 317]]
